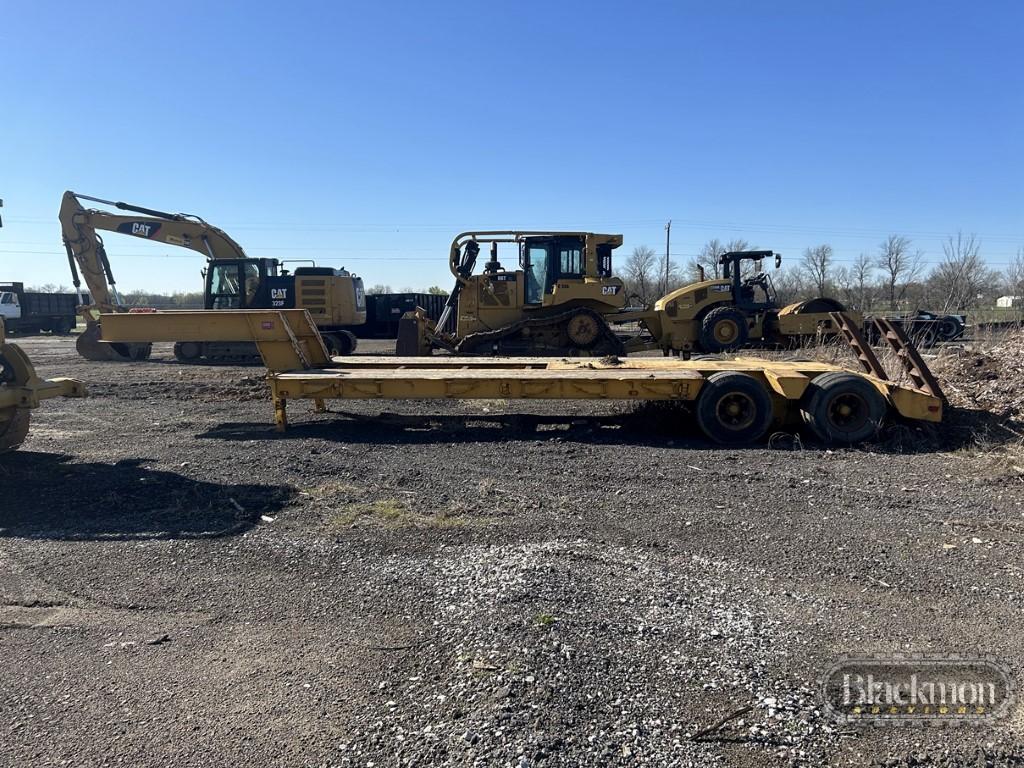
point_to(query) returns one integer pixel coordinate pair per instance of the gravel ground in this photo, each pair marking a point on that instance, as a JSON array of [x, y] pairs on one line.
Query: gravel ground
[[179, 585]]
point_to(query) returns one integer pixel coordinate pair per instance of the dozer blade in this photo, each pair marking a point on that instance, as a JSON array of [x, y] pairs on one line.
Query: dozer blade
[[90, 347]]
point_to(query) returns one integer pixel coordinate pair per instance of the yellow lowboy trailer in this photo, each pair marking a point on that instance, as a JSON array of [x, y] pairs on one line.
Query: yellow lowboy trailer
[[734, 401]]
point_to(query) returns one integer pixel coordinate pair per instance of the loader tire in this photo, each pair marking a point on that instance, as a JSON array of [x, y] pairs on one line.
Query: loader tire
[[733, 408], [842, 407], [723, 329], [13, 427]]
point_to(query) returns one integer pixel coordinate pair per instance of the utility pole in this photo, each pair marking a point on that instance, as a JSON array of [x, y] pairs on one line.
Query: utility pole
[[668, 240]]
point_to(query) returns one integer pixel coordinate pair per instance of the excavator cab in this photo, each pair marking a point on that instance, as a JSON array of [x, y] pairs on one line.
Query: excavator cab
[[239, 283]]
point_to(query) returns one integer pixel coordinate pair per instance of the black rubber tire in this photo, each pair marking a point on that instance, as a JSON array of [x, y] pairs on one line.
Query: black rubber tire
[[713, 324], [188, 351], [830, 392], [720, 395], [925, 338], [948, 328]]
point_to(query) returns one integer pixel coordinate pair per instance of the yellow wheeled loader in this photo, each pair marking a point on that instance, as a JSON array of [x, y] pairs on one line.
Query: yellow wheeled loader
[[21, 390]]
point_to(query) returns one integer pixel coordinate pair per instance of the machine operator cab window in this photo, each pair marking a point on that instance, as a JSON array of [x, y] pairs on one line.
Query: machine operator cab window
[[234, 286], [546, 260]]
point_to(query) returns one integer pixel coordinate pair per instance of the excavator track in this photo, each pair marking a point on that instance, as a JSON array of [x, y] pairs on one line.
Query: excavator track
[[530, 336]]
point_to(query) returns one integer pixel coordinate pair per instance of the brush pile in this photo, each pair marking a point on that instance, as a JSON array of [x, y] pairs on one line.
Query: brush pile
[[985, 376]]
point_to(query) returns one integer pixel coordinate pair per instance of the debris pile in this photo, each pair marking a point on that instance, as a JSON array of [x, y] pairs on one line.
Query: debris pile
[[987, 377]]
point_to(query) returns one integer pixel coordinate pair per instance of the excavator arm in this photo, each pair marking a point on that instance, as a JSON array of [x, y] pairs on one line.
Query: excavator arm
[[87, 258]]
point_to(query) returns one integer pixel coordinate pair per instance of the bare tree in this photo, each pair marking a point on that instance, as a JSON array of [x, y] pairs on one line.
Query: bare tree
[[962, 275], [899, 265], [378, 289], [861, 274], [815, 265], [1015, 275], [790, 286], [641, 274], [709, 255]]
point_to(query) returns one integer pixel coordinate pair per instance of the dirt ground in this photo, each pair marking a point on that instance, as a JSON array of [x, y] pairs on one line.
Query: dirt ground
[[180, 585]]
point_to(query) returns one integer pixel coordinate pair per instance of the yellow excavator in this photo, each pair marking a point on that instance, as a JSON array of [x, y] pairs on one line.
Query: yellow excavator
[[565, 300], [335, 298]]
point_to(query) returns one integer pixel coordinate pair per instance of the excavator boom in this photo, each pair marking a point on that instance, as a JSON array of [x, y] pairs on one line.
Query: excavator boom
[[88, 260]]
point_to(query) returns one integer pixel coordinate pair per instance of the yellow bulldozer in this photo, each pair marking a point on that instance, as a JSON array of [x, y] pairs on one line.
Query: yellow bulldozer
[[564, 299], [232, 280]]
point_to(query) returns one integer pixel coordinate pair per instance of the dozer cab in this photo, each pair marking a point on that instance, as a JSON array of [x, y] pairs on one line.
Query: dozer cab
[[552, 305], [565, 300], [333, 297]]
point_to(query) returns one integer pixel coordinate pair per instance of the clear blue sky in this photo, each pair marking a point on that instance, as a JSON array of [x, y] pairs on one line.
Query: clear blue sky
[[368, 134]]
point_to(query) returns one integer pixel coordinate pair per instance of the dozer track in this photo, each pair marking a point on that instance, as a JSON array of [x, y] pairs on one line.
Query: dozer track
[[548, 335]]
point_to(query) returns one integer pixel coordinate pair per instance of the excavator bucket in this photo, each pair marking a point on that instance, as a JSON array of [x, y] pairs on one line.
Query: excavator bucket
[[90, 346]]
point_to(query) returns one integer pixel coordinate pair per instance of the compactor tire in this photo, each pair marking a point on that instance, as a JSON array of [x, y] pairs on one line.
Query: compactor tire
[[842, 407], [733, 408], [723, 329], [13, 428]]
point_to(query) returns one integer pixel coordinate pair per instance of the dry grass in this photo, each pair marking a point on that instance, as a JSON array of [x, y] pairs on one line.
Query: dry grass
[[395, 513]]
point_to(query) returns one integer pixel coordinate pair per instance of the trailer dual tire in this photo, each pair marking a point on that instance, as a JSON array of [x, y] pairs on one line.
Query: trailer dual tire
[[842, 407], [733, 408], [723, 329]]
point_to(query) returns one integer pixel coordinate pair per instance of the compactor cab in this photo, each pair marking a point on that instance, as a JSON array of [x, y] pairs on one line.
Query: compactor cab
[[755, 292]]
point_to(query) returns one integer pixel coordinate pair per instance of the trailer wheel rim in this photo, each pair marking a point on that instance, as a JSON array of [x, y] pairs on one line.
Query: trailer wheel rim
[[735, 411], [726, 331], [848, 412]]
